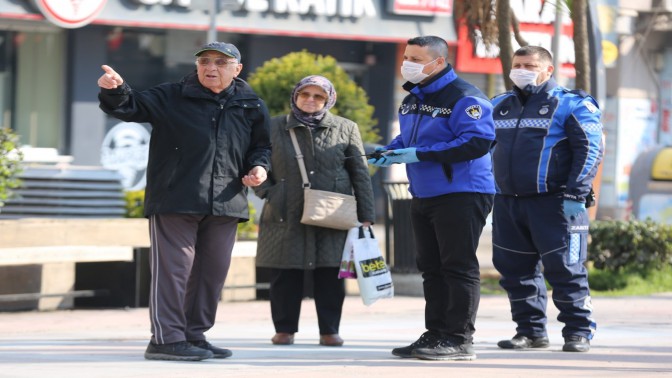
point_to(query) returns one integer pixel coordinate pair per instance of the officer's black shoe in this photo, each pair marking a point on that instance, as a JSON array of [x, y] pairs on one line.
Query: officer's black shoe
[[576, 343], [426, 339], [179, 351], [524, 342], [216, 351], [446, 350]]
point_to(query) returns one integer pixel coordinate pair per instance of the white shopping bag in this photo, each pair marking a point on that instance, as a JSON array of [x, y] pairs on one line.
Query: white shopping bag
[[347, 268], [373, 276]]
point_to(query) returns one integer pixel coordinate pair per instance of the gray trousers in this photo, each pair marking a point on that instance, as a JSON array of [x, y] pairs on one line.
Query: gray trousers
[[189, 259]]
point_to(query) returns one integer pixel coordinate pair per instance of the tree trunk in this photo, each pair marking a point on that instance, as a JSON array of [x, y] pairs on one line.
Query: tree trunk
[[581, 51], [503, 15]]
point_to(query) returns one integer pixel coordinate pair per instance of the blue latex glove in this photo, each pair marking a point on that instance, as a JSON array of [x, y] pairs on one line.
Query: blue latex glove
[[572, 208], [381, 161], [403, 155]]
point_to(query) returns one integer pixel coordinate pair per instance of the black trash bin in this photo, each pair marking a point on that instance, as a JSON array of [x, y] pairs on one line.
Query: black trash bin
[[398, 230]]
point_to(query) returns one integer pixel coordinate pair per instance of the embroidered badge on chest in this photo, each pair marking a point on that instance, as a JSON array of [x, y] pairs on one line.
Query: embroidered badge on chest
[[405, 108], [503, 111], [543, 110], [474, 111]]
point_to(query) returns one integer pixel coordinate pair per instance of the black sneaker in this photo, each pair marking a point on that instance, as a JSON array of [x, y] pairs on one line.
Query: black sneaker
[[524, 342], [217, 352], [576, 343], [425, 339], [179, 351], [446, 350]]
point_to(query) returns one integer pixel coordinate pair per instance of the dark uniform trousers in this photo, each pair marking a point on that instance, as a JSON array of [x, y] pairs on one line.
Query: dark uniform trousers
[[286, 295], [189, 259], [447, 230], [531, 233]]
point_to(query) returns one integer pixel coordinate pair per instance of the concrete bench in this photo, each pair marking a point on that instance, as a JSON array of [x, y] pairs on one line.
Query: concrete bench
[[38, 258]]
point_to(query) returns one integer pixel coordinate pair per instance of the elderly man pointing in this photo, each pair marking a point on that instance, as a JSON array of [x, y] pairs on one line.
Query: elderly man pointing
[[210, 141]]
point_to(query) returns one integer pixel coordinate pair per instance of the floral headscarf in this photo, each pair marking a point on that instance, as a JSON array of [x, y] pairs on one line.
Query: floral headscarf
[[313, 119]]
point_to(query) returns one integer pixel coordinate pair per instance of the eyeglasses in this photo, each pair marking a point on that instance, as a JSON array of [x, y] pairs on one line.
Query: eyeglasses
[[317, 97], [219, 62]]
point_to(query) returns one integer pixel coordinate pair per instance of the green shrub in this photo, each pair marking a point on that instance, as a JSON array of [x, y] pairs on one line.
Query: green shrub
[[135, 208], [605, 280], [10, 163], [630, 245], [248, 230], [135, 203], [276, 78]]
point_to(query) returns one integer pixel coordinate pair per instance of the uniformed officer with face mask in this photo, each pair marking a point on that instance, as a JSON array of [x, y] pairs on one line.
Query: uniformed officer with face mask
[[446, 134], [549, 146]]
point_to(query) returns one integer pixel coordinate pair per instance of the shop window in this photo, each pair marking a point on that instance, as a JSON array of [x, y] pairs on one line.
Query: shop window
[[6, 79], [39, 89], [138, 56], [356, 71]]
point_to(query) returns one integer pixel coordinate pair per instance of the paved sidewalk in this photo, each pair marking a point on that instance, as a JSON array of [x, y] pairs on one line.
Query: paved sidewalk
[[634, 339]]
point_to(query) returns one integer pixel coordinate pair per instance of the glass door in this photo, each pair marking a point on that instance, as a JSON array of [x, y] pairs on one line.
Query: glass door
[[39, 88]]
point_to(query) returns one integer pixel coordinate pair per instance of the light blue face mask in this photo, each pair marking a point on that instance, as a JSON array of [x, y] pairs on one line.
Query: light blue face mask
[[522, 78], [412, 71]]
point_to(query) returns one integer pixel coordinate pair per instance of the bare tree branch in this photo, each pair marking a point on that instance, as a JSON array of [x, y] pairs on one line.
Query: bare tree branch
[[515, 24]]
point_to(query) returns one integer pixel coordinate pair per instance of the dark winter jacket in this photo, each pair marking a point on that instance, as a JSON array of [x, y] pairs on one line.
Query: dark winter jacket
[[201, 144], [283, 241], [548, 141]]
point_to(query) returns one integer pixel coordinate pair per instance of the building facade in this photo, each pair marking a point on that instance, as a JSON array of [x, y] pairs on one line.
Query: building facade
[[51, 52]]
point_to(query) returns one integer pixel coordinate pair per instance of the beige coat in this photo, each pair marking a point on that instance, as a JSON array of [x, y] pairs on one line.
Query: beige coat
[[283, 241]]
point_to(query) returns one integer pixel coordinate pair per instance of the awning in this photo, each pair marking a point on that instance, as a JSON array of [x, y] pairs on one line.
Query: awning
[[369, 20]]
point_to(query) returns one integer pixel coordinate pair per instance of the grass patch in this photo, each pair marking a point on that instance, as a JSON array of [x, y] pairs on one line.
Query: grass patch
[[608, 284], [490, 285], [604, 283]]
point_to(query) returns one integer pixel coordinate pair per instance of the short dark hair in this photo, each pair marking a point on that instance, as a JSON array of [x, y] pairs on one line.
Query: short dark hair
[[437, 45], [544, 55]]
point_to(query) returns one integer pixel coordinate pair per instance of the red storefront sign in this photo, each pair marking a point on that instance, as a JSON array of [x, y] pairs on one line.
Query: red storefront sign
[[70, 13], [421, 7], [477, 59]]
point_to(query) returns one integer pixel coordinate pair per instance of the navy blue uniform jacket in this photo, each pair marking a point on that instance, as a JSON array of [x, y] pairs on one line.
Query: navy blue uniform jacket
[[547, 142]]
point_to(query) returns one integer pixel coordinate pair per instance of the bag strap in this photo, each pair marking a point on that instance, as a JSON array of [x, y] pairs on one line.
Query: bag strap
[[361, 232], [299, 157]]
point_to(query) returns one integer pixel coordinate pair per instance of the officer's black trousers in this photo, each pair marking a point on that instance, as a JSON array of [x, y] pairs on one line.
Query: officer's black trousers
[[447, 230]]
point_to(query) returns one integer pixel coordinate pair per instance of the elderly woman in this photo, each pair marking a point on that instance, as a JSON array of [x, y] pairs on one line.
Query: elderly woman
[[291, 249]]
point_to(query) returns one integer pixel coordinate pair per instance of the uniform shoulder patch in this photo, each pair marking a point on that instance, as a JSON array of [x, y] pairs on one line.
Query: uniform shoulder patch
[[590, 106], [474, 111]]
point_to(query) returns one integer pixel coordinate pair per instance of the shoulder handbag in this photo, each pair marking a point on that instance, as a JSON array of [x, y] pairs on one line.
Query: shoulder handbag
[[323, 208]]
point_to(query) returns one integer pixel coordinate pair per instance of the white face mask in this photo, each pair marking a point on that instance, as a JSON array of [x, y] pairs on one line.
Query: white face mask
[[412, 71], [522, 78]]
